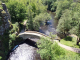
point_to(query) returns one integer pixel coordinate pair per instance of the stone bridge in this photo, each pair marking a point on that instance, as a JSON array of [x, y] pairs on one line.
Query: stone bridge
[[32, 35]]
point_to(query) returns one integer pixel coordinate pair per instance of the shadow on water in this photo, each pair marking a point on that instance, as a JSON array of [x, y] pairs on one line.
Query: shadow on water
[[27, 41]]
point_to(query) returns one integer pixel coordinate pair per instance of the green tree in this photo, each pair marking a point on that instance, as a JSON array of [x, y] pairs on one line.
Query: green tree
[[17, 10], [4, 0], [51, 4], [61, 6], [76, 31], [41, 18], [65, 23], [75, 20], [34, 8]]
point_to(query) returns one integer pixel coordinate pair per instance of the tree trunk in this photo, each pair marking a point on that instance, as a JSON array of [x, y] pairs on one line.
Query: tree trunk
[[78, 40], [64, 34]]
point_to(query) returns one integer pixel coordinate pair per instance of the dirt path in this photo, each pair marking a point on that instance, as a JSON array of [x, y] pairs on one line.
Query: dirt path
[[77, 50]]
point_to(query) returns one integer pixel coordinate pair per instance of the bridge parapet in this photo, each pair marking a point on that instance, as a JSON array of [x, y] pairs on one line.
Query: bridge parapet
[[32, 34]]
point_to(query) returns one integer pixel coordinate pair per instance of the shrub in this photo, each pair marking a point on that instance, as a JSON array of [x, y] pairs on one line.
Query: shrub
[[41, 18], [49, 50]]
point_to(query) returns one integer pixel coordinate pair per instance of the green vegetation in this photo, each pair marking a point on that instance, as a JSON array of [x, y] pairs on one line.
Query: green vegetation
[[34, 11], [31, 10], [51, 4], [4, 0], [48, 50], [27, 10], [70, 41], [69, 21], [13, 34], [41, 18], [67, 12], [52, 51], [17, 10]]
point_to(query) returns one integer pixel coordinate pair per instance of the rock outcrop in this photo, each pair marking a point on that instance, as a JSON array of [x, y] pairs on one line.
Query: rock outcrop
[[4, 19]]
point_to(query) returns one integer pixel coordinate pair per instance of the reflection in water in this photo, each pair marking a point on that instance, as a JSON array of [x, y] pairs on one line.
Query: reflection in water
[[50, 27]]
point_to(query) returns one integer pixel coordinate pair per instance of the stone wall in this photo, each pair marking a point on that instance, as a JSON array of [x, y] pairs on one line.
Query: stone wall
[[4, 19]]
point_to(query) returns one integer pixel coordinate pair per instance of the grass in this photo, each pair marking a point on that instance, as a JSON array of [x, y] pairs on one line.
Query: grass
[[0, 57], [69, 55], [70, 41]]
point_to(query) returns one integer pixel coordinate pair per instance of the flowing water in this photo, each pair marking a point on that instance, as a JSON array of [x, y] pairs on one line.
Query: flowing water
[[27, 49]]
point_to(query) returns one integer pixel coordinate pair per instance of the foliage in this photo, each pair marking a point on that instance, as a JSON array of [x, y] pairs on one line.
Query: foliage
[[13, 33], [49, 50], [70, 41], [71, 21], [31, 8], [4, 0], [61, 6], [15, 28], [51, 4], [34, 8], [52, 36], [41, 18], [17, 10], [65, 23], [76, 29]]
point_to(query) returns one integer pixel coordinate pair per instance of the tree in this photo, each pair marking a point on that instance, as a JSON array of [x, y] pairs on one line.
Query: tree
[[75, 20], [64, 24], [4, 0], [17, 10], [41, 18], [76, 31], [30, 17], [76, 26], [34, 8], [51, 4], [61, 6]]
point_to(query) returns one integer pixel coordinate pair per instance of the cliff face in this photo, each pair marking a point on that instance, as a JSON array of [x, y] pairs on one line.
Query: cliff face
[[4, 19]]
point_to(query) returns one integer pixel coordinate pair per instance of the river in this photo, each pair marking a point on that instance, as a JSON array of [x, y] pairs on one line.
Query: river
[[27, 49], [51, 28]]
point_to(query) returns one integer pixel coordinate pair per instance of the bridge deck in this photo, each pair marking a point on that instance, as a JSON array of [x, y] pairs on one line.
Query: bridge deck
[[32, 34]]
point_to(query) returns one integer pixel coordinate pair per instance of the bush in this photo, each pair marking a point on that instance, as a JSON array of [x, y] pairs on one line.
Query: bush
[[49, 50], [15, 28], [17, 10], [41, 18]]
